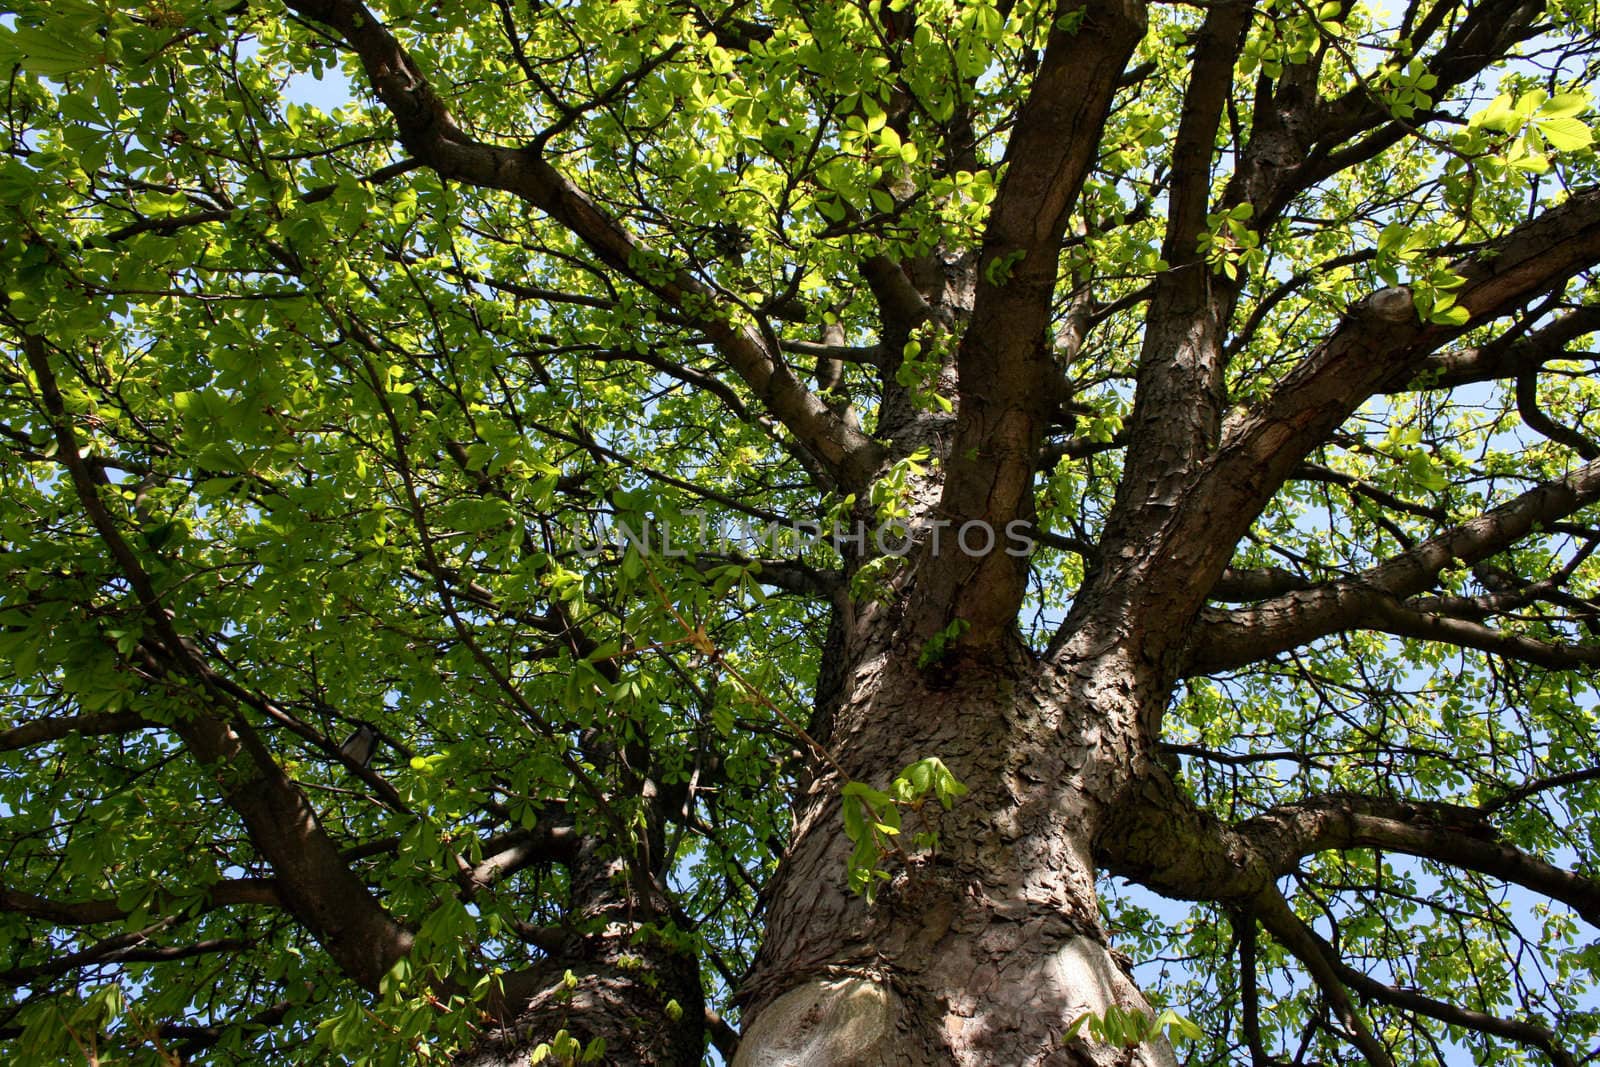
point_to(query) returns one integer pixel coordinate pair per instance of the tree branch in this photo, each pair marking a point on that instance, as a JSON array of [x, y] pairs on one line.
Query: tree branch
[[1527, 1033], [1374, 598], [1179, 850], [259, 891], [868, 355], [1160, 838], [431, 134], [1517, 794], [315, 884], [1244, 932], [1445, 833], [1179, 397], [1484, 33], [1536, 420], [1507, 357], [1007, 377], [1182, 550], [1322, 963], [512, 852], [40, 731], [132, 947], [1403, 621], [194, 1038]]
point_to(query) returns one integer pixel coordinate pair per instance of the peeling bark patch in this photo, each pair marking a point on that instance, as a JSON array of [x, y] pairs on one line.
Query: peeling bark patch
[[845, 1023], [1016, 1011], [1084, 965]]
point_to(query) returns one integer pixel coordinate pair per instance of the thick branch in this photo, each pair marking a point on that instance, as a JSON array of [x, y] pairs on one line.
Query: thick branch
[[1455, 836], [1162, 840], [40, 731], [1179, 399], [1443, 833], [1006, 374], [1078, 447], [1381, 344], [1526, 1033], [1508, 357], [1534, 417], [1244, 931], [1374, 598], [1465, 633], [1256, 583], [314, 882], [430, 133], [1192, 530], [1322, 963], [261, 891], [1165, 842], [869, 355], [1480, 34], [510, 853]]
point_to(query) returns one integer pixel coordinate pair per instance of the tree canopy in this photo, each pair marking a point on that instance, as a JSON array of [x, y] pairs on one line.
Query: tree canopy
[[504, 419]]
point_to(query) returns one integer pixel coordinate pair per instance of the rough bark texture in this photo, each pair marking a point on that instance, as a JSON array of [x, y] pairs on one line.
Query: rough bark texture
[[978, 952], [620, 996], [619, 984]]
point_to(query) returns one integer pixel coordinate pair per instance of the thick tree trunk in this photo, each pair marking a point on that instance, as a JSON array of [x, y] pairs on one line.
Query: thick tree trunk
[[637, 1001], [615, 986], [985, 950]]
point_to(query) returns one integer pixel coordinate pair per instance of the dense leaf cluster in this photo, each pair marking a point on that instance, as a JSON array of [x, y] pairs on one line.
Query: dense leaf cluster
[[333, 383]]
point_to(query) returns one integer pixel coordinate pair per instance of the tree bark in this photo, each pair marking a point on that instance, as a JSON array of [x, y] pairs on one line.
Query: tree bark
[[617, 986], [986, 948]]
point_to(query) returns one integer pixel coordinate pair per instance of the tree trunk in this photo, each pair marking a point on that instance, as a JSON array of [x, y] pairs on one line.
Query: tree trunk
[[981, 951], [619, 990]]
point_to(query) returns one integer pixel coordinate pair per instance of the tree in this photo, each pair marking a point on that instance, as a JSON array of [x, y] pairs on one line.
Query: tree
[[626, 424]]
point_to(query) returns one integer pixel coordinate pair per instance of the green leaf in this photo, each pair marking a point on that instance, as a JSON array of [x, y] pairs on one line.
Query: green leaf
[[54, 52], [1392, 236], [1501, 115], [1564, 134], [1563, 106]]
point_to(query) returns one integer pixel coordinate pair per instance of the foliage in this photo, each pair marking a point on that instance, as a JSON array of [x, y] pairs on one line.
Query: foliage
[[872, 819], [1122, 1027], [305, 423]]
